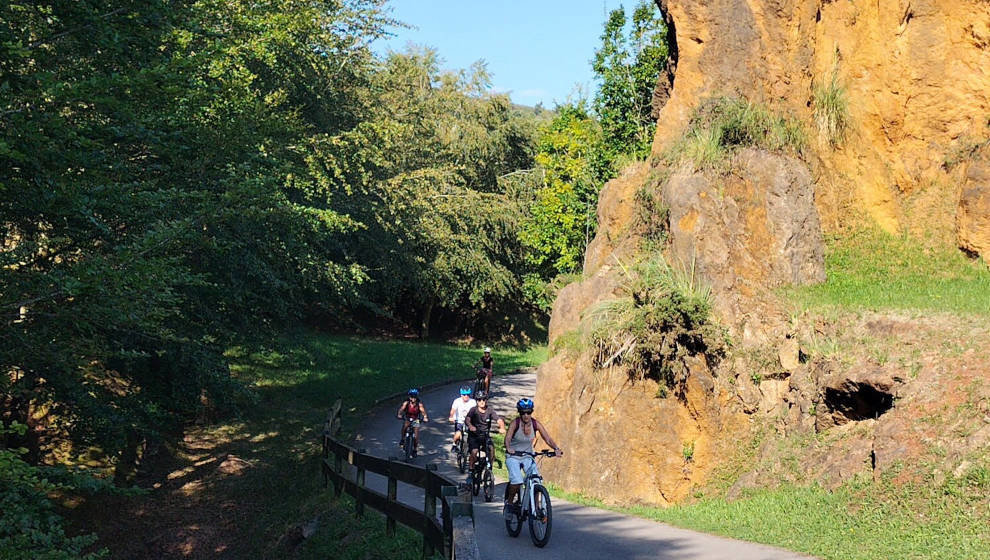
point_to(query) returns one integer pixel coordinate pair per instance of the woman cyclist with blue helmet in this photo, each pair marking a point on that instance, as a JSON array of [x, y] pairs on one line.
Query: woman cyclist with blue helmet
[[521, 436], [412, 410]]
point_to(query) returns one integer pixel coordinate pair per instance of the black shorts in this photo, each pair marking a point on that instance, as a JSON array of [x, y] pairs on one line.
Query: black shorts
[[476, 442]]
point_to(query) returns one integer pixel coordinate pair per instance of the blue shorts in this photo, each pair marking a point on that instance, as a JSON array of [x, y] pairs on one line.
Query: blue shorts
[[458, 426], [517, 467]]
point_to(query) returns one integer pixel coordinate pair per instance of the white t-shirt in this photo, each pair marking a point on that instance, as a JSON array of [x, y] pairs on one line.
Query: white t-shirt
[[461, 408]]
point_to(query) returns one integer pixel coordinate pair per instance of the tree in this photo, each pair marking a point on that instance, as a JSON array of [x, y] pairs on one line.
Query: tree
[[562, 214], [627, 66], [155, 208], [421, 174]]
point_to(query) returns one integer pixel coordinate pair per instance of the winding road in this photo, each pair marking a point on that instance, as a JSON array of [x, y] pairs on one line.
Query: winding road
[[578, 531]]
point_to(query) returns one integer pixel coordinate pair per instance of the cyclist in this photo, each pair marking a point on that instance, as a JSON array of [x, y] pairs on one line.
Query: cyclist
[[412, 409], [486, 363], [458, 410], [476, 422], [521, 437]]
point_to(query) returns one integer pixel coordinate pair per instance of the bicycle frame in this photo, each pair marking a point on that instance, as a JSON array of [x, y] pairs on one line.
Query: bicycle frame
[[531, 479]]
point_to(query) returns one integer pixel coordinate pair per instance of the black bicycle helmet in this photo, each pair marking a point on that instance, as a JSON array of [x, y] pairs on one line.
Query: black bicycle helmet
[[481, 395], [524, 405], [414, 393]]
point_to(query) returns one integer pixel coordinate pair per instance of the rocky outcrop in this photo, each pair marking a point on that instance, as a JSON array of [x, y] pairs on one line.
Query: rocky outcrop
[[753, 229], [913, 74], [973, 219]]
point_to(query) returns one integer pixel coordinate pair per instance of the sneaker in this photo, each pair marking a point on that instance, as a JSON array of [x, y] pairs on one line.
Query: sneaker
[[453, 448], [509, 512], [415, 453]]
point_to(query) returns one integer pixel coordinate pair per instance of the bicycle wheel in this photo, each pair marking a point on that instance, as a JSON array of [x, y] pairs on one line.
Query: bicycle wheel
[[540, 523], [461, 457], [488, 482], [408, 446], [513, 525]]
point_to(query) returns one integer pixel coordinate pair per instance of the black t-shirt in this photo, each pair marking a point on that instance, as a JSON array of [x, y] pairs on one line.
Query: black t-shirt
[[480, 419], [486, 362]]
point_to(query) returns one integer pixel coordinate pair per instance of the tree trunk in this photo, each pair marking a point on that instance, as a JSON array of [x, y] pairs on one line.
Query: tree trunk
[[126, 470], [424, 327]]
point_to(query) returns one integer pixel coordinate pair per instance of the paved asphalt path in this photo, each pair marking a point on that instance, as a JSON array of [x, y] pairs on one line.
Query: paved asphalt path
[[578, 531]]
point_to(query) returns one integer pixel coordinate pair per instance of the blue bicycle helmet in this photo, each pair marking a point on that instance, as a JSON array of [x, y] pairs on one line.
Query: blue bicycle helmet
[[414, 393], [524, 405], [465, 390]]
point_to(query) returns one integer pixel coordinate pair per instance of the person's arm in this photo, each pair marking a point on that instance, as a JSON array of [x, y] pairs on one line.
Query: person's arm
[[402, 407], [546, 437], [509, 433], [453, 410], [467, 420], [426, 417], [501, 425]]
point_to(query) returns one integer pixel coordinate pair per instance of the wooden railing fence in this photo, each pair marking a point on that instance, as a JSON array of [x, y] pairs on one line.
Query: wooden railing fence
[[345, 467]]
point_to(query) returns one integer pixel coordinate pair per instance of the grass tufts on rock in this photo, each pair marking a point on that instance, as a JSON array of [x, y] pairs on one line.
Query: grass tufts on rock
[[664, 319], [722, 125], [831, 108]]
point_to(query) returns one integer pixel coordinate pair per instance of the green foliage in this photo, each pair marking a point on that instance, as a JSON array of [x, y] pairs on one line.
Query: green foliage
[[665, 319], [831, 108], [872, 269], [433, 177], [578, 154], [628, 64], [29, 526], [722, 125], [687, 451], [561, 219]]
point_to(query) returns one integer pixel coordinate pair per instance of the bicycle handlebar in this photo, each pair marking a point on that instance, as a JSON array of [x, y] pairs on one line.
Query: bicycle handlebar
[[544, 453]]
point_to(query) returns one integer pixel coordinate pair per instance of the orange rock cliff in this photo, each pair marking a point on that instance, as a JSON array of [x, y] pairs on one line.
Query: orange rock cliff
[[914, 158]]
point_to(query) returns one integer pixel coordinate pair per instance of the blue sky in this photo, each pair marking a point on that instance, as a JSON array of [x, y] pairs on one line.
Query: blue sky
[[537, 50]]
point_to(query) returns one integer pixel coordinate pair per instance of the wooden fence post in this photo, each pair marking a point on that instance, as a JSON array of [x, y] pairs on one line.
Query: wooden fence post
[[392, 483], [448, 494], [339, 469], [430, 510], [359, 480]]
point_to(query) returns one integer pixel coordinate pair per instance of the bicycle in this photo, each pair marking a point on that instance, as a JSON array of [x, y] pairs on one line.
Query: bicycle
[[534, 503], [482, 476], [462, 452], [479, 381], [408, 443]]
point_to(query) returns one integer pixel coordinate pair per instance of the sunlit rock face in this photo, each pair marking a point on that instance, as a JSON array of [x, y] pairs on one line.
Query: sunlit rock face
[[916, 74], [916, 77]]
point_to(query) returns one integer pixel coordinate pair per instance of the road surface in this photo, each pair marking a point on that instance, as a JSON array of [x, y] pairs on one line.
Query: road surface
[[578, 531]]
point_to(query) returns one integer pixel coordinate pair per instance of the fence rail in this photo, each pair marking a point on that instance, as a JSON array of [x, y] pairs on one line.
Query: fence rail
[[344, 467]]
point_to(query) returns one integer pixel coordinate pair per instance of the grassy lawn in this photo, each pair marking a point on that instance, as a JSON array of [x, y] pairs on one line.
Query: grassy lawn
[[871, 269], [237, 488], [858, 521]]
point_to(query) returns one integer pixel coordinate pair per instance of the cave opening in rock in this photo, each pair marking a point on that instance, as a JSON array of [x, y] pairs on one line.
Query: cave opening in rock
[[858, 401]]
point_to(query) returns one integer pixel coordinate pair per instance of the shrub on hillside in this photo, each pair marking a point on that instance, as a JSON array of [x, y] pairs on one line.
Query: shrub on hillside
[[664, 319]]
